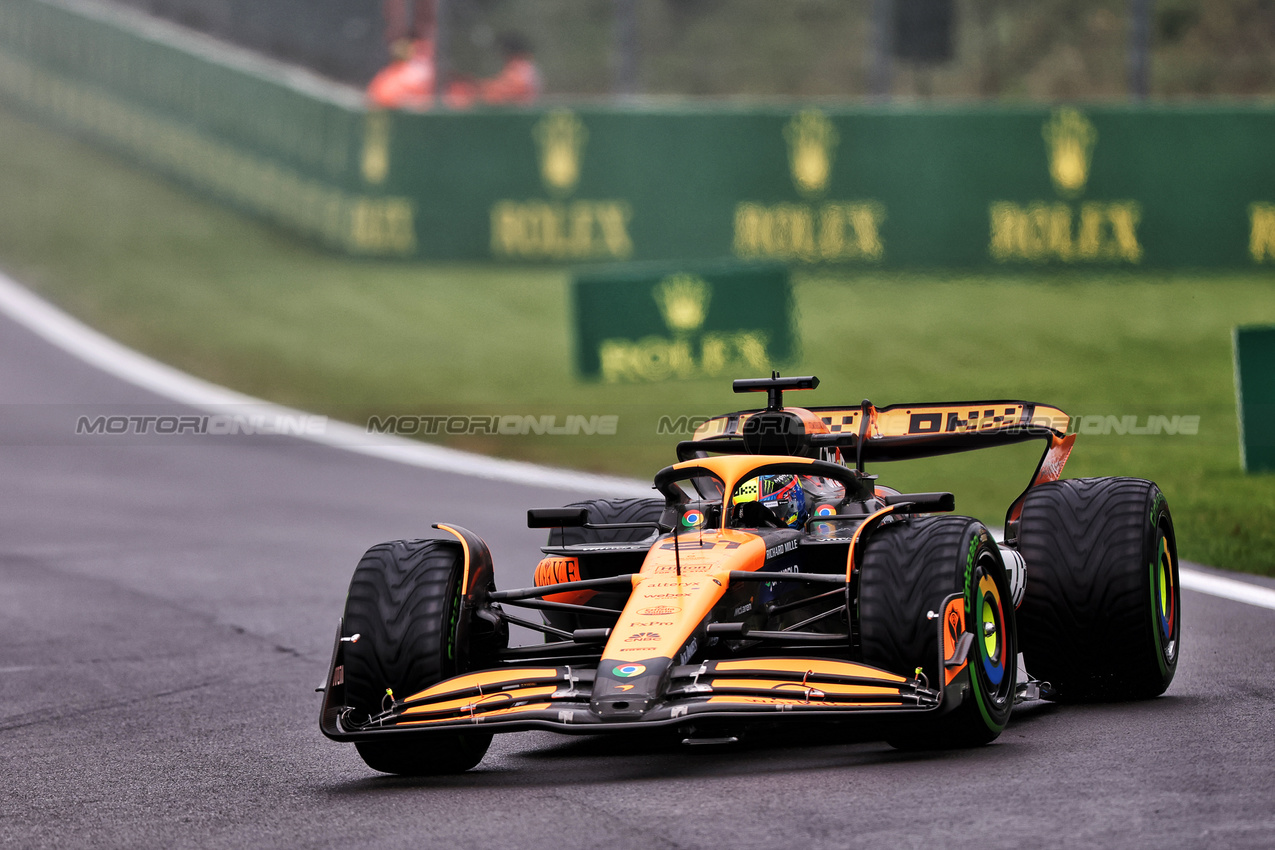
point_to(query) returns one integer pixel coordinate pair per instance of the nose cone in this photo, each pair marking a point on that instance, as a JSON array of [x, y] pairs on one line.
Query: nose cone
[[661, 623], [626, 690]]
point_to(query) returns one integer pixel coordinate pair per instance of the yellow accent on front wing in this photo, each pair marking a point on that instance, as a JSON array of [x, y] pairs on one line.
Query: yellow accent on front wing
[[813, 665], [478, 703], [488, 679], [741, 700], [513, 709], [822, 687]]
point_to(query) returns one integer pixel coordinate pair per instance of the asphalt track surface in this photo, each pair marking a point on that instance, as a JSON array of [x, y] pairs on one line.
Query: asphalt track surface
[[167, 607]]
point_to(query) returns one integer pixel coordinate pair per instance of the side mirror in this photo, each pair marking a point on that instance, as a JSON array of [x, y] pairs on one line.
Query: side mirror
[[923, 503], [557, 517]]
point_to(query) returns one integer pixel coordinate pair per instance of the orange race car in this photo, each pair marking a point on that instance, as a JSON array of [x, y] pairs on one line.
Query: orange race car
[[772, 581]]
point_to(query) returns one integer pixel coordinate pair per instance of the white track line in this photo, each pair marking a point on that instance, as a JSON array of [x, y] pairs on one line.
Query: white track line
[[76, 338], [1227, 588]]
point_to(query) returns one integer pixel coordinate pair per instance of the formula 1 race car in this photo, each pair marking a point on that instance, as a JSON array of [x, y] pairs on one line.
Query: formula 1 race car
[[773, 581]]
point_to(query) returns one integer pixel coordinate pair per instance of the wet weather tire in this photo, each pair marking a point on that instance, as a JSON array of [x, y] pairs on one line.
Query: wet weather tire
[[603, 511], [909, 569], [1101, 619], [404, 603]]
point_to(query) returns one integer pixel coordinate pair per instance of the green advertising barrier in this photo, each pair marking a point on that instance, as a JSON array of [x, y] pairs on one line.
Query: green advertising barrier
[[1025, 188], [637, 324], [1255, 396], [863, 186], [274, 141]]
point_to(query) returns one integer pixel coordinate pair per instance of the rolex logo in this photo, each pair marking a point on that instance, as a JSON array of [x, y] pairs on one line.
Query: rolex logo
[[683, 301], [560, 136], [1071, 138], [811, 139], [375, 163]]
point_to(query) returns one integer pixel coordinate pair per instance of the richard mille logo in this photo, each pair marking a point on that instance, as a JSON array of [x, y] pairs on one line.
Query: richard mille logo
[[786, 546]]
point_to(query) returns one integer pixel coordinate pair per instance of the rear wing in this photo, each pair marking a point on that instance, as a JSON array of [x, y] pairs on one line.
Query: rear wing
[[905, 431], [870, 434], [900, 431]]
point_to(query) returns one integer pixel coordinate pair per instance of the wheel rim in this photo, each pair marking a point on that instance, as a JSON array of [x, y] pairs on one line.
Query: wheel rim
[[995, 651], [1166, 597], [990, 618]]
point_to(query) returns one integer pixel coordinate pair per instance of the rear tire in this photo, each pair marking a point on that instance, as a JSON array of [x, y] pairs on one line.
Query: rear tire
[[1101, 619], [908, 569], [602, 511], [405, 601]]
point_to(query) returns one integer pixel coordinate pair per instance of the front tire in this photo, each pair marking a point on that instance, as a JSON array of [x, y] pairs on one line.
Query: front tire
[[908, 569], [1101, 619], [405, 601]]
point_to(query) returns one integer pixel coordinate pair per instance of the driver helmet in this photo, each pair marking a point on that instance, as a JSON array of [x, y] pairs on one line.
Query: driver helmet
[[784, 495]]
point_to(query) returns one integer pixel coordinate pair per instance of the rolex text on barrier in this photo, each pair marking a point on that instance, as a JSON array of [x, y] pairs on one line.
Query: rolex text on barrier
[[642, 324], [865, 187]]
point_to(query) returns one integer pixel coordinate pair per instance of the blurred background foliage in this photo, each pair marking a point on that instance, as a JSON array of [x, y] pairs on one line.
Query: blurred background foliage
[[1044, 50]]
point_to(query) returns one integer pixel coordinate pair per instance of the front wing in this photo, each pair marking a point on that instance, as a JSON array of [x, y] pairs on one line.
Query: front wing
[[558, 698]]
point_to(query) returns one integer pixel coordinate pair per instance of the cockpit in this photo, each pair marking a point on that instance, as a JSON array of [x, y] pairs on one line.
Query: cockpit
[[770, 495]]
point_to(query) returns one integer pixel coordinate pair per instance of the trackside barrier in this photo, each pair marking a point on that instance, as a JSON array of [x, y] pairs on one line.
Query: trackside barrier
[[871, 187], [1255, 396], [274, 141]]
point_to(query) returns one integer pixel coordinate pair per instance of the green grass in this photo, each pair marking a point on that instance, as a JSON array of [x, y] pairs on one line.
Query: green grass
[[230, 300]]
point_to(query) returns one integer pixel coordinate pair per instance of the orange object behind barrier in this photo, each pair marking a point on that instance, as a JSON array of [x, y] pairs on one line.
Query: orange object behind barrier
[[517, 82], [407, 83]]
